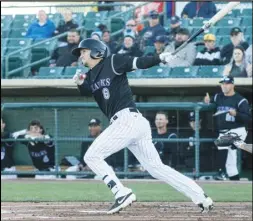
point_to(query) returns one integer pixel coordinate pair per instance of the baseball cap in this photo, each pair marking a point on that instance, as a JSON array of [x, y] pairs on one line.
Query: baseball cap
[[227, 79], [161, 38], [235, 31], [191, 116], [209, 37], [153, 14], [183, 31], [174, 20], [94, 122]]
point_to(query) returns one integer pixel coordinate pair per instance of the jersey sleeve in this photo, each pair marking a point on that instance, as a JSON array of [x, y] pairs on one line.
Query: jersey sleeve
[[84, 89], [124, 63], [243, 114]]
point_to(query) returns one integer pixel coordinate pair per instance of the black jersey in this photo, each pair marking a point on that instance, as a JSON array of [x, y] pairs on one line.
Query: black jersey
[[41, 152], [236, 102], [108, 82], [6, 151]]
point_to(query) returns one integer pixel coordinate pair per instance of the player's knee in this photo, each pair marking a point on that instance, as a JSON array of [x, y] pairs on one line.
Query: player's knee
[[87, 158]]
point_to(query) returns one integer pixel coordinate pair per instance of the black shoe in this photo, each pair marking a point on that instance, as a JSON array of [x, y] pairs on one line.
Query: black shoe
[[220, 176], [207, 205], [122, 202]]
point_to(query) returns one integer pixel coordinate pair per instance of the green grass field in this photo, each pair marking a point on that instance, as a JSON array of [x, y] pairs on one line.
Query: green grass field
[[72, 191]]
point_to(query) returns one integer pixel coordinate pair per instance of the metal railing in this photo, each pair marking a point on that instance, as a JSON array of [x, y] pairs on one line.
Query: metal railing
[[197, 107]]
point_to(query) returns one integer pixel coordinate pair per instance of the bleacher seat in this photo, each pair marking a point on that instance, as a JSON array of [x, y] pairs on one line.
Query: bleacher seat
[[247, 12], [197, 22], [50, 72], [117, 24], [225, 31], [234, 13], [229, 22], [20, 42], [18, 33], [91, 24], [183, 72], [210, 71], [246, 21], [6, 17], [5, 33], [248, 31], [156, 72], [25, 17], [135, 74], [4, 42], [69, 72], [6, 24], [21, 24]]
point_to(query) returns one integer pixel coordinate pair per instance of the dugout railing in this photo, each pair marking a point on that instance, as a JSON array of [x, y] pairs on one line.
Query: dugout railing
[[197, 107]]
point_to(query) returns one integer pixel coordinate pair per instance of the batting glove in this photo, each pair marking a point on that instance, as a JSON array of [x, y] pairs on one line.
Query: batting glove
[[166, 57], [79, 77]]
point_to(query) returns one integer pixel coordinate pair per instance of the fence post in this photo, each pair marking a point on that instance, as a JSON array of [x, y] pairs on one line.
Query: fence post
[[197, 143], [125, 162], [56, 142]]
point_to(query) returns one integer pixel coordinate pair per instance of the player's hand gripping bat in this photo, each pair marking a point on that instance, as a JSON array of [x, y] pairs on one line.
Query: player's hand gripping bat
[[218, 16]]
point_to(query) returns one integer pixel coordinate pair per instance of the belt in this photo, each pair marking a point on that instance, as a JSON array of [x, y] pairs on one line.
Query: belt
[[134, 110]]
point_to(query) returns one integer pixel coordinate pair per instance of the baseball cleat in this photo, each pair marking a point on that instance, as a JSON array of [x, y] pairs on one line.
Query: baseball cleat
[[122, 202], [207, 205]]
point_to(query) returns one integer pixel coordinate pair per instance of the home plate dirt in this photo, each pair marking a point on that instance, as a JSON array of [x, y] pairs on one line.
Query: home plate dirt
[[138, 211]]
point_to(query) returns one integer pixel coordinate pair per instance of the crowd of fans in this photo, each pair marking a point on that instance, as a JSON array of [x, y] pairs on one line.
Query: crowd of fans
[[235, 56]]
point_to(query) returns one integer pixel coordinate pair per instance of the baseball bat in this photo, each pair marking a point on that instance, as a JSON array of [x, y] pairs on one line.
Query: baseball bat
[[218, 16], [242, 145]]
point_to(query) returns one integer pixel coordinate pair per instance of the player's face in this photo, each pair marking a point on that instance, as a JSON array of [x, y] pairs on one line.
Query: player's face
[[238, 55], [227, 88], [209, 44], [94, 130], [2, 125], [35, 129], [161, 121], [85, 56]]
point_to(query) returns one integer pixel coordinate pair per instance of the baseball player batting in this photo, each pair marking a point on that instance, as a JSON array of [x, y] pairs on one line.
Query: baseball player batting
[[107, 82]]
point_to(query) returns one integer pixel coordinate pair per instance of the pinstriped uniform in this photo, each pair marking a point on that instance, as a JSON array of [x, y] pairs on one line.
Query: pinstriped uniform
[[128, 128]]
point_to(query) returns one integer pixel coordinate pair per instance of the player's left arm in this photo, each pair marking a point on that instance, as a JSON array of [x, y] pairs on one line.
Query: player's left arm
[[243, 112], [124, 63]]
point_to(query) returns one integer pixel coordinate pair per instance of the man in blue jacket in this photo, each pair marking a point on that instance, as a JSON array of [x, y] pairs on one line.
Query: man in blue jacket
[[199, 9], [42, 28]]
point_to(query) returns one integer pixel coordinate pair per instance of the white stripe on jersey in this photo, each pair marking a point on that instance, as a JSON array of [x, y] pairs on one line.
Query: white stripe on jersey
[[242, 101], [113, 67]]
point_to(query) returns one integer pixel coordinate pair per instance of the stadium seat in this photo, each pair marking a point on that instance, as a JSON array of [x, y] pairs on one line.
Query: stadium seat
[[23, 55], [4, 42], [6, 24], [21, 24], [6, 17], [210, 71], [225, 40], [78, 18], [197, 22], [234, 13], [135, 74], [183, 72], [91, 24], [69, 72], [246, 21], [229, 22], [225, 31], [18, 33], [248, 31], [156, 72], [20, 42], [117, 24], [25, 17], [48, 72], [5, 33], [247, 12]]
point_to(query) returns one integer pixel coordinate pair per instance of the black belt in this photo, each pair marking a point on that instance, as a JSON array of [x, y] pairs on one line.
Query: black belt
[[134, 110]]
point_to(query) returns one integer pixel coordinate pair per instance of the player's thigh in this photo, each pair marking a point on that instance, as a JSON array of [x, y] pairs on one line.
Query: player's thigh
[[111, 140], [146, 153], [231, 157]]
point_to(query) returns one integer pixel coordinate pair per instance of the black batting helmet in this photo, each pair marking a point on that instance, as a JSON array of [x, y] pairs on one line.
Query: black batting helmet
[[98, 48]]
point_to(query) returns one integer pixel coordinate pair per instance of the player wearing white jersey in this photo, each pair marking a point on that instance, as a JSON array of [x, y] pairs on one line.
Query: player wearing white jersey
[[107, 82]]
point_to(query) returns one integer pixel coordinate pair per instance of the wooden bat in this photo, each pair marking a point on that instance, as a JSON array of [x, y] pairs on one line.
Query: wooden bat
[[218, 16], [242, 145]]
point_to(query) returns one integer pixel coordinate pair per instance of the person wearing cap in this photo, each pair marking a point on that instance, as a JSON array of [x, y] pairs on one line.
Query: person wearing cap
[[201, 9], [210, 55], [237, 38], [238, 65], [160, 43], [97, 35], [106, 38], [187, 150], [186, 56], [154, 29], [235, 118], [129, 46], [175, 25]]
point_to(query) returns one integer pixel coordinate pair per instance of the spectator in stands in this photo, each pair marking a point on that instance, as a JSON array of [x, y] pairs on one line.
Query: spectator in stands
[[112, 45], [175, 25], [186, 56], [201, 9], [129, 47], [154, 29], [41, 152], [167, 151], [237, 38], [66, 24], [210, 55], [42, 28], [131, 28], [97, 35], [7, 162], [238, 66], [248, 55], [62, 56], [160, 44]]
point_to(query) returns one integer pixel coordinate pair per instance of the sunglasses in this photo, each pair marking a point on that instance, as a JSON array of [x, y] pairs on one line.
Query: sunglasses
[[130, 25]]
